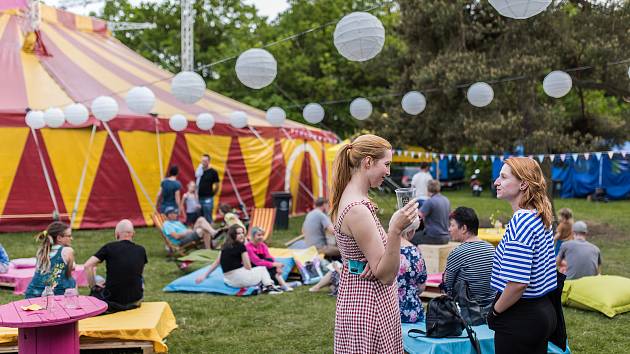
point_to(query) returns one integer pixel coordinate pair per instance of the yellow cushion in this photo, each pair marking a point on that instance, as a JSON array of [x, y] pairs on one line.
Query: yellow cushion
[[608, 294]]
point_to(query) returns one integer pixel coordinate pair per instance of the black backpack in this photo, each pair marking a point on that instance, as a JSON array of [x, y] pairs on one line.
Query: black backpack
[[474, 313], [444, 320]]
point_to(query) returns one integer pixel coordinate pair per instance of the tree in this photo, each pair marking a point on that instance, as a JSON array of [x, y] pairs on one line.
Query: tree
[[454, 43]]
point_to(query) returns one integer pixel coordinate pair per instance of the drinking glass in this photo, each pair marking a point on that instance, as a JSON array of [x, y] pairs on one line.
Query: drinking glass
[[404, 196], [71, 298]]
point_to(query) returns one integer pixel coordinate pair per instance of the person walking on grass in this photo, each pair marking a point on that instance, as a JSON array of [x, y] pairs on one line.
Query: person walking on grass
[[367, 318]]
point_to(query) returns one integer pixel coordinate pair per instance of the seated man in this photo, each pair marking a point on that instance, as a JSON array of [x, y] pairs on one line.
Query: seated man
[[471, 261], [582, 257], [434, 212], [316, 225], [180, 235], [125, 260]]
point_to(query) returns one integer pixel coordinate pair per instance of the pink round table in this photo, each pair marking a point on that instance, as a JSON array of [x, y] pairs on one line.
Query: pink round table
[[49, 331]]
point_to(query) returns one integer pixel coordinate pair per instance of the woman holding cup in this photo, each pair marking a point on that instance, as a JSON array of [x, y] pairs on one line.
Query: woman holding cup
[[367, 318]]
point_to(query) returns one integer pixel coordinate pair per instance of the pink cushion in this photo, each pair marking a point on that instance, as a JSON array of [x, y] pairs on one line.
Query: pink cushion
[[19, 263]]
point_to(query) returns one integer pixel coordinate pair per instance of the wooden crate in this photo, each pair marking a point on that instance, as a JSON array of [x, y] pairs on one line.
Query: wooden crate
[[435, 256]]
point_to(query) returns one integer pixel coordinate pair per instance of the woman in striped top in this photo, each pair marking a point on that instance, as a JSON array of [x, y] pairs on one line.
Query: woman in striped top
[[471, 261], [523, 271]]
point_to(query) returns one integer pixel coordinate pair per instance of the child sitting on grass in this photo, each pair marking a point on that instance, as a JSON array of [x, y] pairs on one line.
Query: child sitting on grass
[[258, 253]]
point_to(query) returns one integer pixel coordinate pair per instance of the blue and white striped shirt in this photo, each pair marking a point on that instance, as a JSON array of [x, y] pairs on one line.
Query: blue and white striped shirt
[[525, 255]]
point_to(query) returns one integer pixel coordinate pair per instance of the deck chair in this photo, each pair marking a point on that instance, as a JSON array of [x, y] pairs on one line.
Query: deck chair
[[263, 218], [173, 249]]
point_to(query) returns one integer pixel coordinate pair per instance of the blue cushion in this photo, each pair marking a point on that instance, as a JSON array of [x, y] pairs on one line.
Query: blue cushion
[[214, 283]]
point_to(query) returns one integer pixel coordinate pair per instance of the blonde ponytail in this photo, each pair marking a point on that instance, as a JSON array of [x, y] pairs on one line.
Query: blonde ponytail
[[48, 238], [348, 160]]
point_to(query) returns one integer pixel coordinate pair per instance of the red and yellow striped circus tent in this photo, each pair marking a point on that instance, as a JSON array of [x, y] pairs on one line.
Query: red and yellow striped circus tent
[[75, 59]]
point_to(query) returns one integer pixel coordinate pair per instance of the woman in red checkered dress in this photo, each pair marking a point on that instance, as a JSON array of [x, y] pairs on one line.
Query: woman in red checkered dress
[[367, 318]]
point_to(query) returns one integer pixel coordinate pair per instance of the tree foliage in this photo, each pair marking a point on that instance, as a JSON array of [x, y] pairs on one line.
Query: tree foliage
[[438, 47], [455, 43]]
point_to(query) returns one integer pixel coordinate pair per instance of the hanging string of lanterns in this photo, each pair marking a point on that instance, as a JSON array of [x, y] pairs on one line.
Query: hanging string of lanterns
[[358, 36]]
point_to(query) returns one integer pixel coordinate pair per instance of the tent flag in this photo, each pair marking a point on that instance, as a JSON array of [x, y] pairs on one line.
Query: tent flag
[[552, 157], [598, 155], [541, 158], [587, 156], [611, 154], [575, 156]]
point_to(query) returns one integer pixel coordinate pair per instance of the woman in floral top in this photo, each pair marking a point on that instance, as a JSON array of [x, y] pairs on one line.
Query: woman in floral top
[[411, 278]]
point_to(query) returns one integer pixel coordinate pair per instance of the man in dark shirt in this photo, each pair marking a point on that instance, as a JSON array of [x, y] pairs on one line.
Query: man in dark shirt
[[207, 186], [125, 262]]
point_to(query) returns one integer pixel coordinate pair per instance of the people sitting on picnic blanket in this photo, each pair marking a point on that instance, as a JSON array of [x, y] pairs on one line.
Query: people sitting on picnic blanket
[[237, 267], [190, 204], [331, 278], [316, 225], [4, 260], [412, 275], [582, 257], [124, 262], [471, 261], [55, 261], [229, 216], [180, 235], [564, 231], [259, 255]]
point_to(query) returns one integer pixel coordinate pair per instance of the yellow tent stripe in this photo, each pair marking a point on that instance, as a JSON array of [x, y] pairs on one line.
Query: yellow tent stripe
[[67, 149], [13, 142], [48, 14], [218, 147], [258, 156], [141, 151]]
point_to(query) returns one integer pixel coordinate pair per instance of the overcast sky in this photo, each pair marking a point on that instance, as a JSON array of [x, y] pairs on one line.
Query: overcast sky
[[269, 8]]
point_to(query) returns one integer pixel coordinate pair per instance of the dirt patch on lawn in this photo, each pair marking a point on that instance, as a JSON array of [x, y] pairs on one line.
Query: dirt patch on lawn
[[604, 231]]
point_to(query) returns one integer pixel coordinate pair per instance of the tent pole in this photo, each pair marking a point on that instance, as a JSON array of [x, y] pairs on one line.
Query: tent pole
[[133, 172], [238, 195], [46, 176], [82, 180], [159, 147]]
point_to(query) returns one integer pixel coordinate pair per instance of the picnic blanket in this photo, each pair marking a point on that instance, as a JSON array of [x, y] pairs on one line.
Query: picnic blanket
[[214, 282], [19, 278], [462, 345], [152, 321]]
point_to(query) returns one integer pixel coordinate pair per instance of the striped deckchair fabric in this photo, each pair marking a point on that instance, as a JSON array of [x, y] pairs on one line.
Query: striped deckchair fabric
[[263, 218]]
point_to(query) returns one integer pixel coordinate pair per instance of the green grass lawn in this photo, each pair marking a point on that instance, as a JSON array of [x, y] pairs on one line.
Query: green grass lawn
[[301, 322]]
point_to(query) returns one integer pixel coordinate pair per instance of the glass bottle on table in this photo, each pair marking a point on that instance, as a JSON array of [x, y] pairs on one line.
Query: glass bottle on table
[[48, 294]]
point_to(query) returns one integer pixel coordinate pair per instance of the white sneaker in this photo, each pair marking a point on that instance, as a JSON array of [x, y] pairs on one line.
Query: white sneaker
[[271, 290]]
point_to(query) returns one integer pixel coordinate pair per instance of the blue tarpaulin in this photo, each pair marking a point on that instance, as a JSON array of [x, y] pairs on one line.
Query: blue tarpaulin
[[580, 178]]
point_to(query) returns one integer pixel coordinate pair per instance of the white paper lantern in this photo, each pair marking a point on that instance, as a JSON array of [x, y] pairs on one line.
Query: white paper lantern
[[238, 119], [480, 94], [313, 113], [359, 36], [361, 108], [520, 9], [188, 87], [35, 119], [276, 116], [256, 68], [140, 100], [413, 102], [178, 122], [104, 108], [557, 84], [54, 117], [205, 121], [76, 114]]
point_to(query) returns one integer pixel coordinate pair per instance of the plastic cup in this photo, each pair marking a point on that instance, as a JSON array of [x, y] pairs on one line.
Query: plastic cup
[[404, 196], [71, 298]]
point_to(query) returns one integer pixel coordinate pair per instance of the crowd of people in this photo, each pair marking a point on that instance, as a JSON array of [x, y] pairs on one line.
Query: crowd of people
[[377, 274]]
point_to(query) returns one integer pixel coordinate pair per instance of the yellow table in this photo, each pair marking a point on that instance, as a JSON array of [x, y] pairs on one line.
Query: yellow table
[[491, 235]]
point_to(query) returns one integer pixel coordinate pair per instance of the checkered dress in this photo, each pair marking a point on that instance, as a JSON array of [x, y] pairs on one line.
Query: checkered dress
[[367, 319]]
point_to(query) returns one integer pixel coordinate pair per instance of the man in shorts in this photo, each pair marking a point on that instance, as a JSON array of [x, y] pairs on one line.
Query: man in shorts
[[181, 235]]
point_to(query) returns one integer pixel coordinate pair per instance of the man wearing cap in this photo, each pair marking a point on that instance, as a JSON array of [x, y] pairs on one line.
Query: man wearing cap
[[316, 224], [180, 235], [582, 257]]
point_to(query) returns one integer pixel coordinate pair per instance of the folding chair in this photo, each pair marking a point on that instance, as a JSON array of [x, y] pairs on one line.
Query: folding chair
[[263, 218], [173, 249]]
